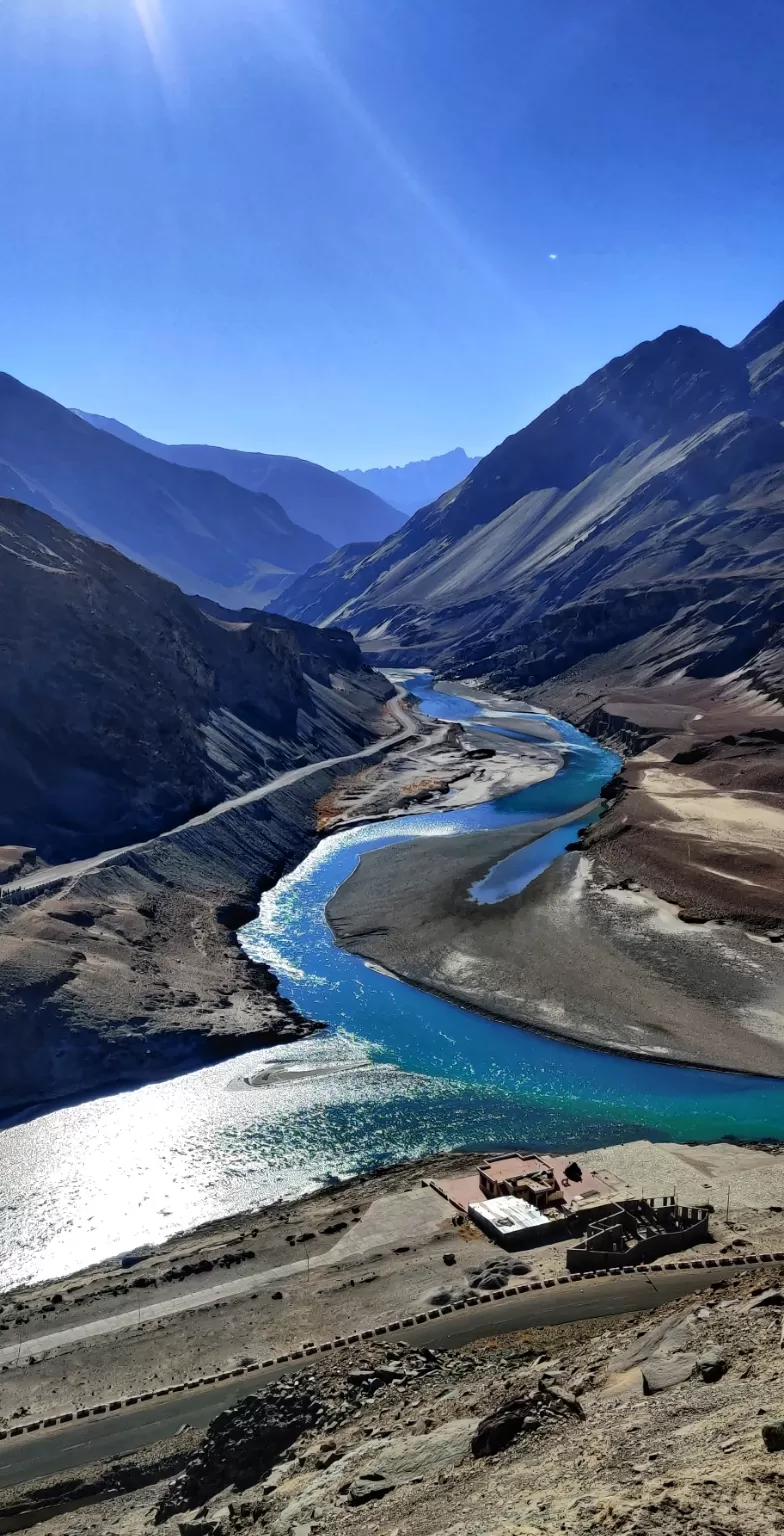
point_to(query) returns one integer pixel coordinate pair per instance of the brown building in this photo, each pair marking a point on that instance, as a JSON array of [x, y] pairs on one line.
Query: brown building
[[545, 1182]]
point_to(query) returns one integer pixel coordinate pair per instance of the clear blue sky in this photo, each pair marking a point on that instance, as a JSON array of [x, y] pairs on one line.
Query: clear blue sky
[[325, 227]]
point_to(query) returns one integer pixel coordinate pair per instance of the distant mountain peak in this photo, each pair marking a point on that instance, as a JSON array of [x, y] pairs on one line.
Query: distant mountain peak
[[417, 484]]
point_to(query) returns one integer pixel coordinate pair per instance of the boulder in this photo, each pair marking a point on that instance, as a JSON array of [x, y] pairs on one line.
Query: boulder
[[711, 1363], [501, 1428], [560, 1397], [241, 1446], [770, 1298], [773, 1435], [665, 1371], [369, 1485]]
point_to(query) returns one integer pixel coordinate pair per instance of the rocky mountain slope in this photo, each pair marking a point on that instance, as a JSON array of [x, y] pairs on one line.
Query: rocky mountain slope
[[634, 528], [414, 485], [330, 584], [316, 498], [193, 527], [763, 352], [125, 710]]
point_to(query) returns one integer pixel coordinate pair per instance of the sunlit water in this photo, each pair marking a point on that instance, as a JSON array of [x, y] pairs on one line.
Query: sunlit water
[[413, 1073]]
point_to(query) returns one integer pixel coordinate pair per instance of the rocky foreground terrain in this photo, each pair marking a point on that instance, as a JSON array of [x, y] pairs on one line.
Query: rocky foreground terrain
[[671, 1422]]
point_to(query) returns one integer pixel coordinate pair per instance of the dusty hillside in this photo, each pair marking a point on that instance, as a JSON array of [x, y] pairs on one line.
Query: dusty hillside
[[126, 710], [667, 1424]]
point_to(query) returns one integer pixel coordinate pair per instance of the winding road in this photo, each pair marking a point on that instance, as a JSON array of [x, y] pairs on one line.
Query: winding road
[[63, 1448], [60, 874]]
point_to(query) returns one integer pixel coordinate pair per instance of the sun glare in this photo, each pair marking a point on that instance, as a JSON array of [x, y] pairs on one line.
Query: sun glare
[[158, 39]]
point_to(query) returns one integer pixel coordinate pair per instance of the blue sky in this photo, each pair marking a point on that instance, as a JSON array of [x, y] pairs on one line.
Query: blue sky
[[325, 227]]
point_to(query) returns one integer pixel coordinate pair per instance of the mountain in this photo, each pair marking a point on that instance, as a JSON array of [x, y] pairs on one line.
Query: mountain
[[763, 353], [193, 527], [410, 486], [126, 708], [314, 497], [326, 585], [633, 529]]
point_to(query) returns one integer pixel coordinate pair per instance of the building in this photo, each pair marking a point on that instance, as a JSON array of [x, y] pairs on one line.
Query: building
[[516, 1199], [545, 1182], [638, 1232]]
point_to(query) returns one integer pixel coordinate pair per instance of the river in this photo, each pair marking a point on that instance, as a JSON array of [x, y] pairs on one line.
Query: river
[[399, 1074]]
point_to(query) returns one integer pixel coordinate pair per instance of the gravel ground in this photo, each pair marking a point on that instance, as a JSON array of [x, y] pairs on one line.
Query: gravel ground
[[596, 1441], [388, 1236]]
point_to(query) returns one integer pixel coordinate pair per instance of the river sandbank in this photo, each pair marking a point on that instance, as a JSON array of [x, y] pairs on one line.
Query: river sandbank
[[449, 767], [564, 956]]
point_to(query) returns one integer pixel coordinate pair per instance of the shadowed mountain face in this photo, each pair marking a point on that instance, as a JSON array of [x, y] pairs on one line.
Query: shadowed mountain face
[[763, 353], [316, 498], [642, 510], [329, 584], [125, 708], [195, 528], [410, 486]]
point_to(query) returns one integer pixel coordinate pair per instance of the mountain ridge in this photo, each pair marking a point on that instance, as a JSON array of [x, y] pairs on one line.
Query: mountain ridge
[[172, 707], [190, 526], [317, 499], [664, 467], [413, 485]]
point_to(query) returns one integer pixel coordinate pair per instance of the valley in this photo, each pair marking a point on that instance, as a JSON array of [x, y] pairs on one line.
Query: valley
[[391, 856]]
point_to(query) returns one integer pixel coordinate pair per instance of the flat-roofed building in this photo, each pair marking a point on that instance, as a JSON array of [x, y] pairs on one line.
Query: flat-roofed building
[[507, 1219]]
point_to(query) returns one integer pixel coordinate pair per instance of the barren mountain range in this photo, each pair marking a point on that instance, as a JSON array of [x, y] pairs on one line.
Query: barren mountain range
[[619, 561], [636, 522], [318, 499], [414, 485], [192, 526], [126, 710]]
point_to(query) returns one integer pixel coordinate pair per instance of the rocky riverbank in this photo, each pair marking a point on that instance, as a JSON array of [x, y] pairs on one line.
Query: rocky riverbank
[[697, 815], [450, 767]]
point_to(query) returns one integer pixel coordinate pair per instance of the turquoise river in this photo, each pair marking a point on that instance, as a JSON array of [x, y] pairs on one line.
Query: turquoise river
[[398, 1074]]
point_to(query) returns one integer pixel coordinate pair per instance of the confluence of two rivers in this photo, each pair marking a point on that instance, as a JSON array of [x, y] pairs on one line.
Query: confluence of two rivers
[[407, 1073]]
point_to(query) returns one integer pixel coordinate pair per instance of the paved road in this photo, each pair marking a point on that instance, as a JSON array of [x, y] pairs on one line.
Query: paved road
[[61, 1449], [134, 1317], [56, 874]]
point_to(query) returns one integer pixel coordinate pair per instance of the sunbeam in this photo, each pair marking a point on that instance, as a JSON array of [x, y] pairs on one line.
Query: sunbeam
[[158, 39], [307, 46]]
